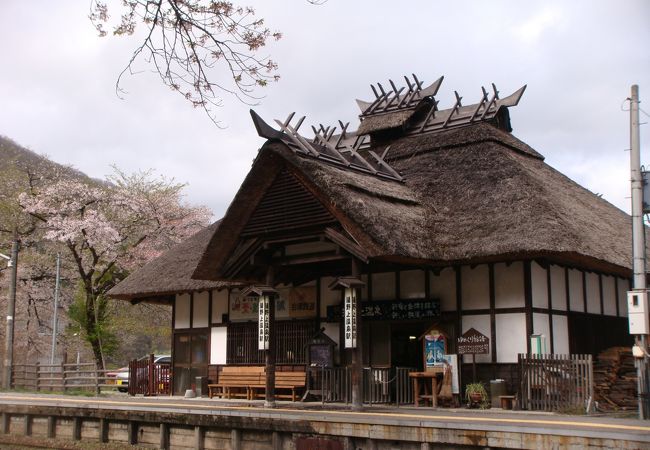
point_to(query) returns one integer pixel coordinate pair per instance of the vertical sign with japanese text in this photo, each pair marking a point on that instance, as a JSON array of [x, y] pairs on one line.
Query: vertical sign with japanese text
[[263, 323], [350, 318]]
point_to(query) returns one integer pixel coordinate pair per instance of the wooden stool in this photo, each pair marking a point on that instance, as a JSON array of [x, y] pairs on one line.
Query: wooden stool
[[506, 401]]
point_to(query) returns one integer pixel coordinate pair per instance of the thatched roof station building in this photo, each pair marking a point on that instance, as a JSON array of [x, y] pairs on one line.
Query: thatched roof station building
[[438, 220]]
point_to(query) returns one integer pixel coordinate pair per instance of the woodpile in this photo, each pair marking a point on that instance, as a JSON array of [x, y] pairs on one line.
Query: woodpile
[[615, 380]]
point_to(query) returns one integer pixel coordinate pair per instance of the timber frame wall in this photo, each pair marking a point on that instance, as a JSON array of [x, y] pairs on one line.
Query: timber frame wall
[[577, 310]]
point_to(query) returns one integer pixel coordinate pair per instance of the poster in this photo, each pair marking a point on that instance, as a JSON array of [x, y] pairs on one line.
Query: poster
[[291, 302], [434, 349], [452, 360]]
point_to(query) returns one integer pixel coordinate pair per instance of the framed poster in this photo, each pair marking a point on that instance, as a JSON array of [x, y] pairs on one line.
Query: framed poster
[[434, 347]]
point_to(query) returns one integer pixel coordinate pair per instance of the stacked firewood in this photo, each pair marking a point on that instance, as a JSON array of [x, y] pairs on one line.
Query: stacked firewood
[[615, 380]]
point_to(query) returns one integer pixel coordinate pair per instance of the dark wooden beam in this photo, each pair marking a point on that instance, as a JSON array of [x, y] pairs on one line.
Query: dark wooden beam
[[528, 302], [493, 322], [351, 247]]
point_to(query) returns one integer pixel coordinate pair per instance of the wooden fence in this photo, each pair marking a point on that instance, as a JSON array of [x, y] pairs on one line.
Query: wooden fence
[[555, 382], [61, 377], [148, 378], [380, 384]]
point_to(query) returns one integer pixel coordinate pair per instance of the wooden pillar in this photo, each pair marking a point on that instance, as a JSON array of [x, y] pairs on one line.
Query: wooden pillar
[[269, 396], [357, 355], [132, 431], [76, 428], [51, 427], [164, 436], [103, 430], [6, 418], [28, 425], [528, 302], [199, 443], [276, 441], [235, 439]]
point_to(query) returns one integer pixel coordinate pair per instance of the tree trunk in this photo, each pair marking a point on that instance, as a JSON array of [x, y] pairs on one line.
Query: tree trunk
[[92, 333]]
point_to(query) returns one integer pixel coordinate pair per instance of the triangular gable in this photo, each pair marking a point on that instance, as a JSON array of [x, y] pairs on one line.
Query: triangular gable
[[276, 200], [286, 206]]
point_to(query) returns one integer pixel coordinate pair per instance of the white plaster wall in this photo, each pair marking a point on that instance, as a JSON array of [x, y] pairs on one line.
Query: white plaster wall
[[411, 284], [593, 293], [218, 342], [541, 326], [219, 305], [511, 336], [539, 285], [609, 296], [443, 287], [201, 309], [480, 323], [475, 287], [576, 298], [560, 335], [623, 287], [509, 285], [383, 286], [558, 288], [182, 311]]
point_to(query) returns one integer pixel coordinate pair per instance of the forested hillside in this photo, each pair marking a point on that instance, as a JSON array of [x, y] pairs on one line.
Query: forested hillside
[[102, 232]]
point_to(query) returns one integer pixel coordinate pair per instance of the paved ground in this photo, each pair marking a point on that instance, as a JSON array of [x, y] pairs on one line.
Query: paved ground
[[488, 420]]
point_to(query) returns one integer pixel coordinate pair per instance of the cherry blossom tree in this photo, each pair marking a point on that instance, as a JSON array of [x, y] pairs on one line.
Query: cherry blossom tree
[[110, 228], [191, 44]]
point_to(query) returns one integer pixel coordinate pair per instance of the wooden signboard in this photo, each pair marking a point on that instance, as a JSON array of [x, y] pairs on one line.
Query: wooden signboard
[[473, 342]]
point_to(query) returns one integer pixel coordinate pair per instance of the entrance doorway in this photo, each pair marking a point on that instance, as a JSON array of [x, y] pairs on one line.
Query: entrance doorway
[[190, 359], [406, 348]]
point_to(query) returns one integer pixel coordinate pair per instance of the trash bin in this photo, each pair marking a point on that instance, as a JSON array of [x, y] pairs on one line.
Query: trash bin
[[497, 389], [201, 386]]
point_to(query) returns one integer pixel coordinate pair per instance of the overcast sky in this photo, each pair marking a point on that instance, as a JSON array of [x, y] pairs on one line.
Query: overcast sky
[[578, 58]]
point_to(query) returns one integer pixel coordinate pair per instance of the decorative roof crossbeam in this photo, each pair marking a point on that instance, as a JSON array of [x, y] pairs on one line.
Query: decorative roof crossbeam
[[340, 151], [395, 99], [487, 108]]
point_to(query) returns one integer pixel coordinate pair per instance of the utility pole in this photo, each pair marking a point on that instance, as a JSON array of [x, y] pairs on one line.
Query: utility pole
[[638, 240], [11, 311], [56, 307]]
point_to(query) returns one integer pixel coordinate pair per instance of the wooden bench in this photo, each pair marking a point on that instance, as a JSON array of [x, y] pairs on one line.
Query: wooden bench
[[284, 381], [250, 382], [235, 381]]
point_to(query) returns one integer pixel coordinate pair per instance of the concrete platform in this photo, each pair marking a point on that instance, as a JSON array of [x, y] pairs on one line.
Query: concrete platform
[[242, 425]]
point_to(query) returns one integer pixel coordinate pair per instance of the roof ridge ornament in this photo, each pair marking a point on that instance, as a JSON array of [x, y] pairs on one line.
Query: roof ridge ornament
[[486, 109], [343, 153], [396, 98]]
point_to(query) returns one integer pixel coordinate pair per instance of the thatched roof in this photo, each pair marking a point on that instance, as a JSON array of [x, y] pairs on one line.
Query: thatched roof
[[471, 194], [385, 121], [171, 272]]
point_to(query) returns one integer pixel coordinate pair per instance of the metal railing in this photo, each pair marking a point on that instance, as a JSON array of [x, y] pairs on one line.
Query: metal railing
[[555, 382]]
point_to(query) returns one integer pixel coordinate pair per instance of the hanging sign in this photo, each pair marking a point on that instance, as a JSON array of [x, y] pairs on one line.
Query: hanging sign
[[350, 318], [263, 323], [473, 342], [392, 310]]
